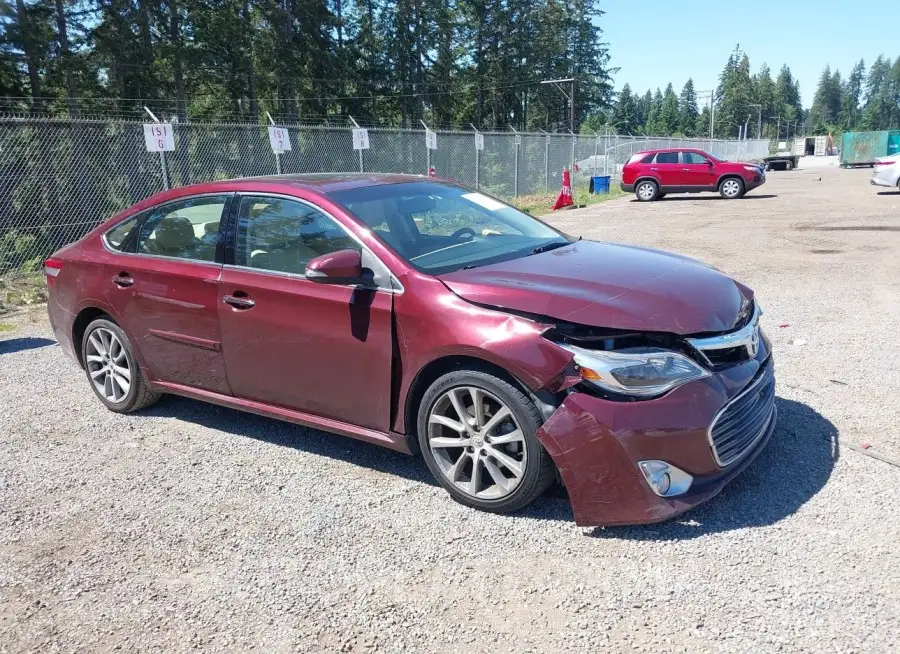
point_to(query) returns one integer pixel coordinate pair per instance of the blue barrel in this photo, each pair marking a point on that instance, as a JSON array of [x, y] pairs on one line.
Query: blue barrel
[[600, 184]]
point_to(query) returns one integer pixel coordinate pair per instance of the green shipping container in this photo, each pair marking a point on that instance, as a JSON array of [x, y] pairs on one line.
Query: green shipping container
[[859, 148]]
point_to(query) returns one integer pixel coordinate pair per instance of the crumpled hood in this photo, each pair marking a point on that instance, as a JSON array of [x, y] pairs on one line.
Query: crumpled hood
[[610, 285]]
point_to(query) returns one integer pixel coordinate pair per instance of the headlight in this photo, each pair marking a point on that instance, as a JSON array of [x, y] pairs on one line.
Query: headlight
[[638, 371], [753, 169]]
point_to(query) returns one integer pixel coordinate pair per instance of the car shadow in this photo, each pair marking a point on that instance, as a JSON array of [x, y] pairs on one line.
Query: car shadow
[[285, 434], [894, 193], [21, 344], [694, 196], [794, 466]]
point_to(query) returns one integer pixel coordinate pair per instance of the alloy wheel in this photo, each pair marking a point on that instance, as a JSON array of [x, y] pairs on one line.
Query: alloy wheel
[[731, 188], [108, 365], [477, 442], [646, 191]]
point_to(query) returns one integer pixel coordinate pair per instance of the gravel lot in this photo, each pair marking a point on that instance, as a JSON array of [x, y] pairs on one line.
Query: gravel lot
[[195, 527]]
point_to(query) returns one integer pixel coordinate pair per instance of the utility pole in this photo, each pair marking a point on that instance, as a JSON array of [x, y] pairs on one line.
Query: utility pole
[[759, 118], [569, 96]]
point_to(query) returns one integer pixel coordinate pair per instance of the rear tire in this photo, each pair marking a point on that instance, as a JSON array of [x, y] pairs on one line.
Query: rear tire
[[112, 369], [731, 188], [498, 464], [788, 165], [646, 191]]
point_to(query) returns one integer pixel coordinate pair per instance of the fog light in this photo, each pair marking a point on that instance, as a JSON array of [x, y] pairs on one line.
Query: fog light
[[665, 479]]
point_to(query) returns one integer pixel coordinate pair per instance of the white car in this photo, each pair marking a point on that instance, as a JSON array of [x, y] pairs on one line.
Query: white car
[[887, 171]]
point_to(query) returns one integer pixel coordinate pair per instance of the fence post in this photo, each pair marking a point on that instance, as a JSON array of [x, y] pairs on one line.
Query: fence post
[[427, 149], [517, 140], [572, 163], [164, 169], [546, 160], [477, 166], [277, 156], [361, 169]]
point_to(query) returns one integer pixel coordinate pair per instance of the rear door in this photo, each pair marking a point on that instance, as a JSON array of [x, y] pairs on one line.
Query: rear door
[[667, 170], [697, 172], [323, 349], [163, 289]]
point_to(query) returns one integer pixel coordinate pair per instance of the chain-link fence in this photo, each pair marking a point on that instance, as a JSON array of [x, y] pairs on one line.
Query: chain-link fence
[[60, 178]]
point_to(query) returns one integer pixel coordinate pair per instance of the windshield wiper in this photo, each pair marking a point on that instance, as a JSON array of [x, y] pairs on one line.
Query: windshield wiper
[[546, 247]]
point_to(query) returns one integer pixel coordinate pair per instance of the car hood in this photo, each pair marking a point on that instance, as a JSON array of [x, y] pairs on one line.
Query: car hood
[[609, 285]]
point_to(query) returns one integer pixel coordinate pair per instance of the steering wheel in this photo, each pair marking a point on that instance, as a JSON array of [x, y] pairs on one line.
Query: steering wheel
[[459, 233]]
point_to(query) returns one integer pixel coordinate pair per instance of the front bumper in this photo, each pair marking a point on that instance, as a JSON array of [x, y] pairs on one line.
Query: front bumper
[[597, 444], [880, 181]]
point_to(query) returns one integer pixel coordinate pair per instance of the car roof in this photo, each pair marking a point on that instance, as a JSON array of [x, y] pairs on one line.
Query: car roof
[[316, 182], [669, 150], [313, 183]]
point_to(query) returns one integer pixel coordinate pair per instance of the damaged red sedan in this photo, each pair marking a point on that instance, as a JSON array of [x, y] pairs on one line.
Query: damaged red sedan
[[431, 319]]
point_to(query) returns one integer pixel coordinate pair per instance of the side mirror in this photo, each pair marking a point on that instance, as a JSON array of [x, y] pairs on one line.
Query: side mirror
[[341, 267]]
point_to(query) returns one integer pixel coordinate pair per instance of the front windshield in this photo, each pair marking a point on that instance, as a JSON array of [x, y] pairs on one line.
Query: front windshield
[[440, 228]]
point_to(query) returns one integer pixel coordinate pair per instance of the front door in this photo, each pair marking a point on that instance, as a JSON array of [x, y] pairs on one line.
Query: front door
[[697, 171], [164, 290], [318, 348]]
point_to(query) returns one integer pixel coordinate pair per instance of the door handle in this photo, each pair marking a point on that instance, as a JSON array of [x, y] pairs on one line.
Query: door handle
[[654, 169], [123, 280], [239, 302], [687, 170]]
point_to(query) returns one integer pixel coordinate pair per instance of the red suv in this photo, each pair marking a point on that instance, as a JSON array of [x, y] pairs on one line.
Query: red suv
[[654, 173], [426, 317]]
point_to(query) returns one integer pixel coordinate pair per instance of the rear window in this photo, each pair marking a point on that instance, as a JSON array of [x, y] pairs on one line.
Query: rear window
[[667, 158], [641, 157]]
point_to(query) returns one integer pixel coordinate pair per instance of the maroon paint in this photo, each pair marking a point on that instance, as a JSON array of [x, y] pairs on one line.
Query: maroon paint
[[609, 285], [343, 264], [318, 348], [345, 359]]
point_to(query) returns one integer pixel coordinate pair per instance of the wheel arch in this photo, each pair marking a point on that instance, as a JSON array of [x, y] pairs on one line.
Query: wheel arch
[[725, 176], [85, 317], [431, 371], [648, 178]]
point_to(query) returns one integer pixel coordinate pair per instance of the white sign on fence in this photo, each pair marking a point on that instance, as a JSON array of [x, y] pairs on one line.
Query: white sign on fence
[[430, 139], [518, 139], [479, 141], [279, 139], [159, 137], [360, 139]]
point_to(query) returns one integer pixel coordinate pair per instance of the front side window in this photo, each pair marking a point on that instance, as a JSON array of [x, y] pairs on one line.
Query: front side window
[[439, 228], [282, 235], [667, 158], [187, 229], [694, 158]]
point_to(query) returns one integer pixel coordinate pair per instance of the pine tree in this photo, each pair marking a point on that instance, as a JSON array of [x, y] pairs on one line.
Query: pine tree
[[826, 104], [668, 113], [877, 111], [624, 116], [687, 109]]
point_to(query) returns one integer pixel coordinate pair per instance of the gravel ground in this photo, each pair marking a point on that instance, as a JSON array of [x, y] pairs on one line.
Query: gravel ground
[[194, 527]]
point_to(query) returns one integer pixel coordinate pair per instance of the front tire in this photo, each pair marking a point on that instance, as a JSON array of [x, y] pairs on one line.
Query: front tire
[[731, 188], [112, 369], [477, 434], [646, 191]]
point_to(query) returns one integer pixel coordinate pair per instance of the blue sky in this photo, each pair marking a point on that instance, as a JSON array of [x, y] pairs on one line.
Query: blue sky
[[655, 42]]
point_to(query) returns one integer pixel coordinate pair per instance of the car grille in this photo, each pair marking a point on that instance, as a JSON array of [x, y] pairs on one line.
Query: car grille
[[742, 422]]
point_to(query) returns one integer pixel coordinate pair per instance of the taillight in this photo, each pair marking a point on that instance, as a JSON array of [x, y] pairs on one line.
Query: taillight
[[885, 163], [52, 268]]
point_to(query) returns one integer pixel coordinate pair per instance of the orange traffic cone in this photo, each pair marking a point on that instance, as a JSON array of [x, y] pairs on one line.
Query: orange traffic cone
[[564, 199]]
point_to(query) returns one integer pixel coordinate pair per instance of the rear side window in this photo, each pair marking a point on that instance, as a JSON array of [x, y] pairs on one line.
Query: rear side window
[[667, 158], [187, 229], [648, 158], [117, 237]]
